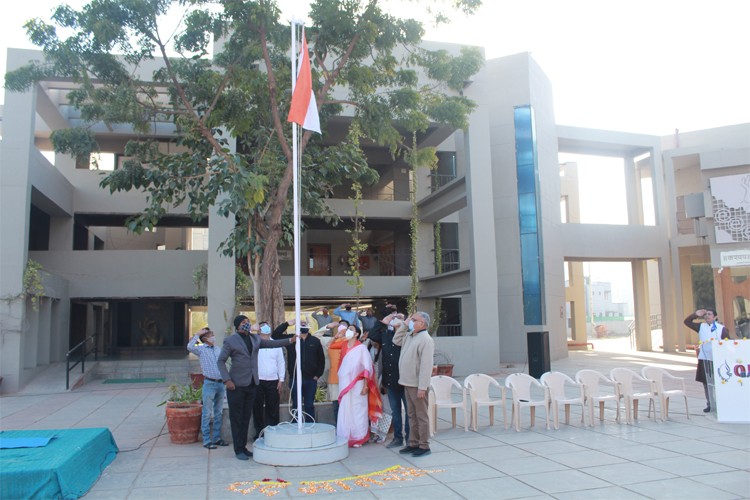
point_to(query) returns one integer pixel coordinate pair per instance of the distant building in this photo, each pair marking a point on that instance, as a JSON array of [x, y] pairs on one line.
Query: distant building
[[506, 207]]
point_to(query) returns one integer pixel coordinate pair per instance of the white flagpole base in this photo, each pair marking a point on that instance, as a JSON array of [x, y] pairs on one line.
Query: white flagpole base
[[287, 445]]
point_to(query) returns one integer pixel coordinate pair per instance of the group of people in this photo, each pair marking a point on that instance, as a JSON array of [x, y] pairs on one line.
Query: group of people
[[401, 347]]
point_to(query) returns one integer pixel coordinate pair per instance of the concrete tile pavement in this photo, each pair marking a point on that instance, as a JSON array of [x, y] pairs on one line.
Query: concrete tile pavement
[[685, 458]]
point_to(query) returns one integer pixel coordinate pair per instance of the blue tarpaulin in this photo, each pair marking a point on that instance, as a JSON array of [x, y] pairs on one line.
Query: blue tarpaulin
[[66, 467]]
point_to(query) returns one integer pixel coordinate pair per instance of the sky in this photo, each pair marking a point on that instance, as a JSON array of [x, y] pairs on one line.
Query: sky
[[639, 66]]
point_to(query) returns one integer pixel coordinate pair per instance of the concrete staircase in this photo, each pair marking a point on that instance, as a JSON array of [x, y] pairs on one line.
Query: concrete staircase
[[171, 370]]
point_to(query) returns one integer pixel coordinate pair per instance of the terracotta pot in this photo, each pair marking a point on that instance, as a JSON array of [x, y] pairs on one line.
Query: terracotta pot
[[444, 370], [184, 422], [196, 379]]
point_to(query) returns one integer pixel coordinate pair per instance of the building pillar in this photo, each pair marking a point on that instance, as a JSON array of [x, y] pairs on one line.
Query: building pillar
[[15, 203], [576, 297], [642, 309], [220, 282]]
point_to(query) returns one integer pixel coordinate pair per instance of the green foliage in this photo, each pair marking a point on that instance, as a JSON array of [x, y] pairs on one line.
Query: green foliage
[[242, 285], [702, 277], [321, 394], [358, 246], [182, 393], [33, 288], [225, 117], [200, 280]]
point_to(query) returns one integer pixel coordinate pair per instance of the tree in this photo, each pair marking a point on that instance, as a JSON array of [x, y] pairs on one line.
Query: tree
[[227, 113]]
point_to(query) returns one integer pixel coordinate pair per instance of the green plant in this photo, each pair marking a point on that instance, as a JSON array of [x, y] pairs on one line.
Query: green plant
[[355, 251], [321, 394], [416, 158], [32, 283], [200, 280], [182, 393]]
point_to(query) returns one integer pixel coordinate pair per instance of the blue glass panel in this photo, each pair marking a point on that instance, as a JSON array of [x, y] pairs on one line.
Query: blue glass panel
[[529, 216], [527, 204], [532, 309]]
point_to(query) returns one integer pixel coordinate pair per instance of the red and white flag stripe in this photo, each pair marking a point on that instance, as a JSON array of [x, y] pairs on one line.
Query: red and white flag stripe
[[304, 109]]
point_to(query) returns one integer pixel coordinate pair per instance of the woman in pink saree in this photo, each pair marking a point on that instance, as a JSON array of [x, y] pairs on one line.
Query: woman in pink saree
[[359, 398]]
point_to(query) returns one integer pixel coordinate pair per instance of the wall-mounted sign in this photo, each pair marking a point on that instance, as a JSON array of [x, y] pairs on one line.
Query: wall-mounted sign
[[730, 196], [735, 258]]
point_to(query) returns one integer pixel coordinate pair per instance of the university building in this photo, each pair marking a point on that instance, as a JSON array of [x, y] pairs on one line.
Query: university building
[[512, 246]]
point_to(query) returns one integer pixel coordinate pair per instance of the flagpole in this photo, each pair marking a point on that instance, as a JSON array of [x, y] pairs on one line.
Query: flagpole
[[296, 215]]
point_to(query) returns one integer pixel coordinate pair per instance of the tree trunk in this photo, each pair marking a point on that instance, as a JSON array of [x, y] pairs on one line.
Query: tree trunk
[[270, 301]]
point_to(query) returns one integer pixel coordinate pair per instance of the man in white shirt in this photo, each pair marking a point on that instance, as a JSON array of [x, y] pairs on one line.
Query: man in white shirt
[[271, 371]]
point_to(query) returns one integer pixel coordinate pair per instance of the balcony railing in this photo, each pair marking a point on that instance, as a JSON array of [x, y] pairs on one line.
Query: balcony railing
[[370, 264], [450, 260], [439, 180], [449, 330]]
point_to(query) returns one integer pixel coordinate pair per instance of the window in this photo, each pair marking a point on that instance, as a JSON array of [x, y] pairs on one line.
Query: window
[[198, 238]]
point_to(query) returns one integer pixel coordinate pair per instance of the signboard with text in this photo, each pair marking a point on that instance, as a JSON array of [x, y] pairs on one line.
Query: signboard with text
[[732, 379]]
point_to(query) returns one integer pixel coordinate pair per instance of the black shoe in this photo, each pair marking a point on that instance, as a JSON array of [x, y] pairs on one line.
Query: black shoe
[[241, 456], [221, 442], [421, 452], [395, 443], [707, 409], [209, 446], [408, 449], [248, 453]]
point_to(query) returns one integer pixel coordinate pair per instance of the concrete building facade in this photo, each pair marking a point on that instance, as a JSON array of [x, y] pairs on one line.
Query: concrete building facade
[[510, 236]]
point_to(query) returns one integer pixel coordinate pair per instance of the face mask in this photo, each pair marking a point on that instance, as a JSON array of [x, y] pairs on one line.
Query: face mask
[[210, 339], [265, 329], [349, 334], [411, 325], [393, 322], [304, 329], [244, 327], [348, 308]]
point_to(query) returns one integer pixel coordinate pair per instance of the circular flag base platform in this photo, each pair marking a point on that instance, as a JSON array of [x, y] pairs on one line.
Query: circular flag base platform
[[287, 445]]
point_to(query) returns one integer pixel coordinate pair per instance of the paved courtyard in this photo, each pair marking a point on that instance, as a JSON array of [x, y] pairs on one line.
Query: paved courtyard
[[681, 458]]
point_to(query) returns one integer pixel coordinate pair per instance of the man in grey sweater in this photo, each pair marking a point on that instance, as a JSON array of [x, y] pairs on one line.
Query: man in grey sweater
[[415, 371]]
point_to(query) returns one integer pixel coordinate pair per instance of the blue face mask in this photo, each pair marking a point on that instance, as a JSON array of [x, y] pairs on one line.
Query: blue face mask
[[244, 327], [411, 325], [265, 329]]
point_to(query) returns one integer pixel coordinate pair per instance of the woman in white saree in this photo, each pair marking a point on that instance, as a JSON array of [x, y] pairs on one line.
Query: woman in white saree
[[359, 397]]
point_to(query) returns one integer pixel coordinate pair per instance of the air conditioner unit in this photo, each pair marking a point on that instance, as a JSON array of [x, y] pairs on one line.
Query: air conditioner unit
[[695, 206]]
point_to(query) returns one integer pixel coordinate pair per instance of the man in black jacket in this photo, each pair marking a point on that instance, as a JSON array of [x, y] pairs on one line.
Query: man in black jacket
[[313, 364], [383, 333]]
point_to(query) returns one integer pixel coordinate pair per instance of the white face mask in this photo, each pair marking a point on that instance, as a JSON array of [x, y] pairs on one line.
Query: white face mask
[[349, 334], [411, 325]]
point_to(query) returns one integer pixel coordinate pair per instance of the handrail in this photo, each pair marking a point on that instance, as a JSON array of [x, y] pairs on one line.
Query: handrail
[[82, 360]]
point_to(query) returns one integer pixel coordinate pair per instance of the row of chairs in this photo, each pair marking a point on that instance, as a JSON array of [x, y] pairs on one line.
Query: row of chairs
[[555, 389]]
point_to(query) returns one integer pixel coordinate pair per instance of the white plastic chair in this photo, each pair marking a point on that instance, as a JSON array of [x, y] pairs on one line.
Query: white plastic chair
[[431, 411], [626, 380], [592, 382], [478, 388], [556, 382], [520, 385], [442, 386], [657, 375]]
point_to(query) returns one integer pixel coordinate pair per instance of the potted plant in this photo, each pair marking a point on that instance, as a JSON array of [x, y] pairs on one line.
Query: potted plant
[[442, 364], [184, 413]]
